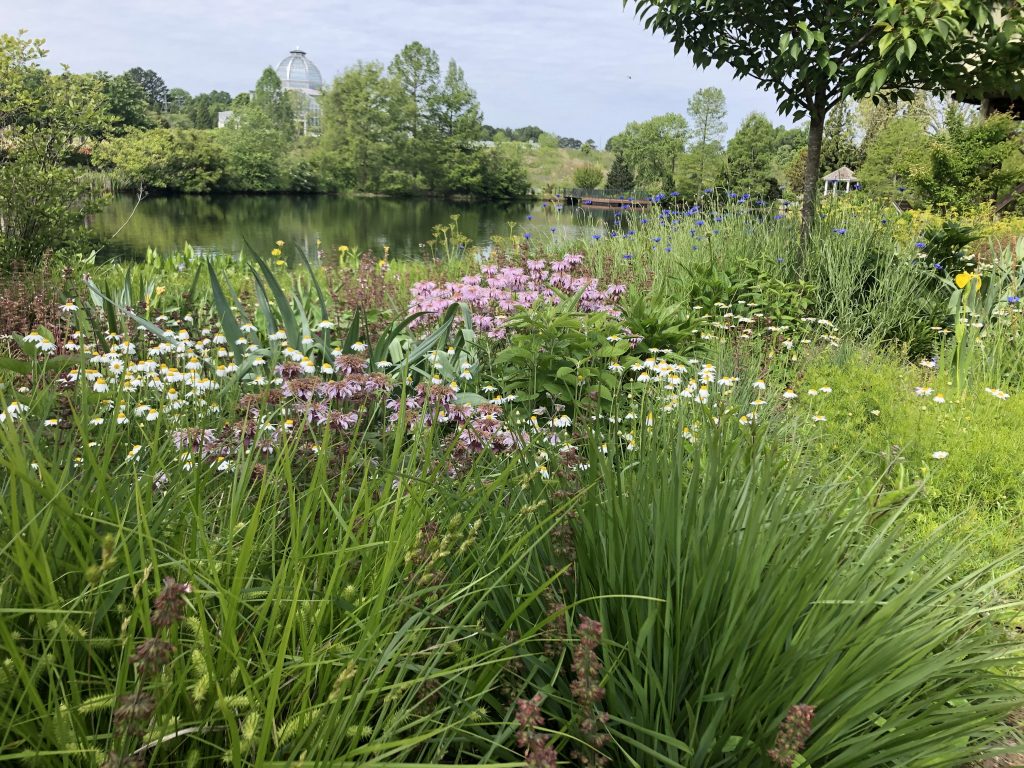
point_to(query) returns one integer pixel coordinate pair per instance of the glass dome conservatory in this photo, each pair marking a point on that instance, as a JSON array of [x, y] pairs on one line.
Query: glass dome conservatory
[[300, 76], [298, 73]]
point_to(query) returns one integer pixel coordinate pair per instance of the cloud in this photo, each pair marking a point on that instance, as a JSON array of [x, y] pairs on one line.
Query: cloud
[[580, 68]]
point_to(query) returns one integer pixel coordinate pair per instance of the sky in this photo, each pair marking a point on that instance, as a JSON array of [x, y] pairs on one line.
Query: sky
[[580, 68]]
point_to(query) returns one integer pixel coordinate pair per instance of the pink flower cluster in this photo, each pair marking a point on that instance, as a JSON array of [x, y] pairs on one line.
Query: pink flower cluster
[[534, 743], [498, 292], [478, 427]]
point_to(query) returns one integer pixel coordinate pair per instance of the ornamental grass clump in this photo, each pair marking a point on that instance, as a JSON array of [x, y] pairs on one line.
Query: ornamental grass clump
[[745, 586]]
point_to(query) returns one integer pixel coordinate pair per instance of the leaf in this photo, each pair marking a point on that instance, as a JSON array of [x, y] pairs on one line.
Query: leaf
[[291, 327], [228, 323]]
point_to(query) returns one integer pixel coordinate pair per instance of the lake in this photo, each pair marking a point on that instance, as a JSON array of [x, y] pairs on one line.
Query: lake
[[223, 223]]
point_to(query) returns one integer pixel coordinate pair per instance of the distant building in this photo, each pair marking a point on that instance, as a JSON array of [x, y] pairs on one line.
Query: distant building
[[300, 76], [223, 118], [840, 180]]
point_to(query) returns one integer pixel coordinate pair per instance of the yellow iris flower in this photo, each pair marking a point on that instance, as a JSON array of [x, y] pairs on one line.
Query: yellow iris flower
[[964, 278]]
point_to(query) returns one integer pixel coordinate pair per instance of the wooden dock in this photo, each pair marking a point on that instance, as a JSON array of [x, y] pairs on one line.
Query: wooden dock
[[600, 198]]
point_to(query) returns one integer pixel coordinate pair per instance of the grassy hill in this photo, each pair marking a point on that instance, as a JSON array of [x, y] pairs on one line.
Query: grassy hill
[[553, 167]]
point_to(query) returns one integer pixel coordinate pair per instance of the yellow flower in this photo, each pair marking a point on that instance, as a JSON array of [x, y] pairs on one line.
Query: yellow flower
[[160, 290], [280, 243], [280, 262], [276, 252], [343, 248], [964, 278]]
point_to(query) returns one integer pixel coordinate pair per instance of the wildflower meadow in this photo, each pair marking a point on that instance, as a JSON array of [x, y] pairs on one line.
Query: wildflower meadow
[[677, 490]]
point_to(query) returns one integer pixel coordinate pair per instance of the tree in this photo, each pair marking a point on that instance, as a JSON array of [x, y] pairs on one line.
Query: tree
[[204, 108], [178, 100], [895, 157], [813, 55], [653, 148], [706, 109], [455, 128], [417, 71], [164, 159], [620, 178], [257, 138], [969, 161], [838, 142], [46, 121], [126, 102], [151, 84], [271, 100], [360, 124], [588, 177], [454, 110], [749, 158]]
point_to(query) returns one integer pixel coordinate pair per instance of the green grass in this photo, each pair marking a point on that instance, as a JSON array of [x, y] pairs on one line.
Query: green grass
[[388, 590]]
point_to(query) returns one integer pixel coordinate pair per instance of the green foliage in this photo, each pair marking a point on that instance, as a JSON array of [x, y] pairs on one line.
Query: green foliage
[[588, 177], [877, 425], [557, 357], [151, 84], [838, 144], [967, 161], [270, 105], [895, 157], [203, 108], [404, 130], [620, 177], [127, 103], [653, 150], [662, 322], [164, 159], [749, 156], [814, 56], [746, 589], [46, 122]]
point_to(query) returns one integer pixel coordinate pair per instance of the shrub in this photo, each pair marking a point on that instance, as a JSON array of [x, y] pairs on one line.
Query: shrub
[[588, 177]]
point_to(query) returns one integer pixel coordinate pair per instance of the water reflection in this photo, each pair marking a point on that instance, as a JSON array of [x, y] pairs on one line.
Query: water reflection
[[225, 222]]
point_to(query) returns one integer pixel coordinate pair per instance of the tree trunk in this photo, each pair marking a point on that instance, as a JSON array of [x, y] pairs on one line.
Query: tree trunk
[[810, 205]]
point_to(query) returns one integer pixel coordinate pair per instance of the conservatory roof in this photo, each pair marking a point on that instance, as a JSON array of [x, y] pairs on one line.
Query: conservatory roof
[[298, 73]]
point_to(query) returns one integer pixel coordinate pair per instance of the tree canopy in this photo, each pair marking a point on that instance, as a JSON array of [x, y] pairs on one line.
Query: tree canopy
[[812, 55]]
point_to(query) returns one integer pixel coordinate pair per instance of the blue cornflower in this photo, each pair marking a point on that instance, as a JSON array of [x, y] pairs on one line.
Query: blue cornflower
[[527, 235], [596, 237], [937, 266], [778, 216], [627, 256], [657, 239], [921, 245], [1012, 299], [554, 229], [840, 230]]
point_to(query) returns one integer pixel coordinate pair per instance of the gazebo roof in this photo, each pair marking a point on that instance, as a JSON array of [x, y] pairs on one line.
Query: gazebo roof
[[841, 174]]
